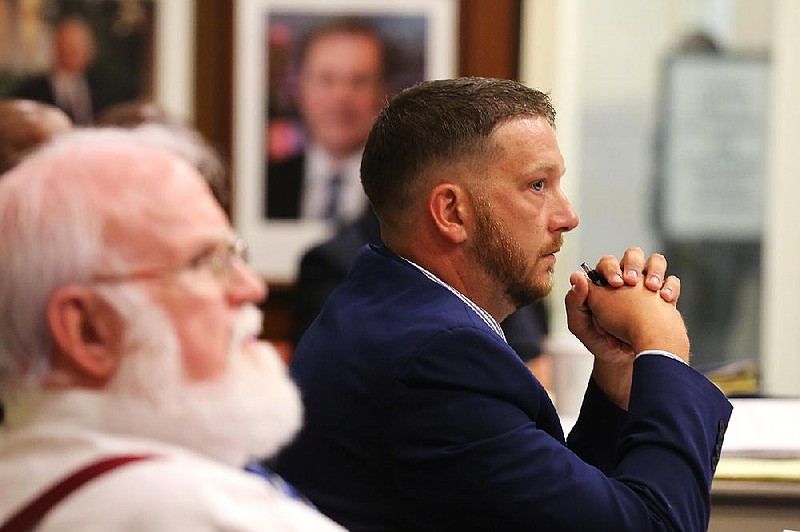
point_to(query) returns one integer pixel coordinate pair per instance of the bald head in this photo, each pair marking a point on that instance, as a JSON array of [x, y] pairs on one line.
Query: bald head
[[25, 125], [156, 127], [133, 188]]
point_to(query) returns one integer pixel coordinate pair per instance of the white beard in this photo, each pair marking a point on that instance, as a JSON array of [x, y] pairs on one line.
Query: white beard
[[249, 413]]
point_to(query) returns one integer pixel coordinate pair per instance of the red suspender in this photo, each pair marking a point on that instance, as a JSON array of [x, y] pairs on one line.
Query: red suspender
[[29, 516]]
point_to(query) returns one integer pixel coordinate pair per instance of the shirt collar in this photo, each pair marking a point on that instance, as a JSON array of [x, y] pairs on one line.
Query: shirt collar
[[482, 314]]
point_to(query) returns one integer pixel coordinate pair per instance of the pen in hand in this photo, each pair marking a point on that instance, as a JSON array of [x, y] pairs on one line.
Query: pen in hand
[[594, 276]]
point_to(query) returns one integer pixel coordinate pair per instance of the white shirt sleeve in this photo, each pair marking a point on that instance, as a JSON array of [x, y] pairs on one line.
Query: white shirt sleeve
[[663, 354]]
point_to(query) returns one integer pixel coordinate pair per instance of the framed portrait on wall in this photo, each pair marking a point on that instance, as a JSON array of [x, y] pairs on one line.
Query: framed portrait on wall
[[134, 57], [310, 77]]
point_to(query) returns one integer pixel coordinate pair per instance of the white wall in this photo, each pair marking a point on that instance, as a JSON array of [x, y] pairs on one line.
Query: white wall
[[781, 279]]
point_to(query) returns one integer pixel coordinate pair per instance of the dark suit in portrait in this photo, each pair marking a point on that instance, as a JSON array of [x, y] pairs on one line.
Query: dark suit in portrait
[[325, 265], [102, 91], [284, 188]]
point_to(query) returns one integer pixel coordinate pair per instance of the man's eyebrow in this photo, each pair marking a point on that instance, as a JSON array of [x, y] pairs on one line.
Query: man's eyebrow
[[547, 167], [214, 241]]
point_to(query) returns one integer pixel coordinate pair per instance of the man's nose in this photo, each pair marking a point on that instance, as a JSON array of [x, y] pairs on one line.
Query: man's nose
[[245, 285], [565, 219]]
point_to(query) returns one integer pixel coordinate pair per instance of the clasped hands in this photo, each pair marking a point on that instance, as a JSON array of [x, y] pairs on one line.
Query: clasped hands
[[634, 313]]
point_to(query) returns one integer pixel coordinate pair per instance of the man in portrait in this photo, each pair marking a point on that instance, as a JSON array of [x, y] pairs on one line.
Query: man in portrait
[[342, 84], [73, 84]]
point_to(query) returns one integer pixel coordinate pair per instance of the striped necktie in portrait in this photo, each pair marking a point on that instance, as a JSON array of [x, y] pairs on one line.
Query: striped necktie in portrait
[[334, 192]]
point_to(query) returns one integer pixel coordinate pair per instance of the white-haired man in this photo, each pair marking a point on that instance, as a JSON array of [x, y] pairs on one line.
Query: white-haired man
[[134, 384]]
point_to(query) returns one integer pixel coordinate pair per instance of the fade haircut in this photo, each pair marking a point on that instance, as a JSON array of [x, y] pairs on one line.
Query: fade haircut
[[437, 123]]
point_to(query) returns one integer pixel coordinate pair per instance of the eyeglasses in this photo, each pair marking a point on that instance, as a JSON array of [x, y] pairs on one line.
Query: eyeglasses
[[218, 260]]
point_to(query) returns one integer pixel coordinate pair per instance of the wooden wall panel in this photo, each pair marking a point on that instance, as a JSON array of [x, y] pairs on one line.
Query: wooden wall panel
[[489, 35], [214, 73]]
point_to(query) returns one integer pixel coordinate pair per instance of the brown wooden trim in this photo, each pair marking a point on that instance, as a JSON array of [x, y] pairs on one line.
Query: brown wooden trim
[[213, 80], [489, 33]]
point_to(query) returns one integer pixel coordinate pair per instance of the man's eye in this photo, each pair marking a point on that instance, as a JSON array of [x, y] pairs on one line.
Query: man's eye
[[538, 185]]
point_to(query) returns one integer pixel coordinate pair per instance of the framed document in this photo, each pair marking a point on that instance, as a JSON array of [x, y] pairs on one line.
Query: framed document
[[713, 158]]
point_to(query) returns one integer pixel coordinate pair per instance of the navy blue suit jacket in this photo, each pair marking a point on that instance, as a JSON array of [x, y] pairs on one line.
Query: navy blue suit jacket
[[325, 265], [420, 417]]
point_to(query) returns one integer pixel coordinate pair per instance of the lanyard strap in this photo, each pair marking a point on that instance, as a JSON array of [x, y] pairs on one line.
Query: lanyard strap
[[30, 515]]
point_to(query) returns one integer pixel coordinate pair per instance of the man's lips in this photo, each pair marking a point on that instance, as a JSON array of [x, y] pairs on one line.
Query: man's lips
[[551, 252]]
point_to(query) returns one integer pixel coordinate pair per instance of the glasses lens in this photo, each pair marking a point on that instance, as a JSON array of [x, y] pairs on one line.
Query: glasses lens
[[240, 250], [223, 259]]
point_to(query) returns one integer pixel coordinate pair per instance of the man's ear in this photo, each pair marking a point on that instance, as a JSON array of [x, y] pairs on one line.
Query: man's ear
[[87, 333], [447, 206]]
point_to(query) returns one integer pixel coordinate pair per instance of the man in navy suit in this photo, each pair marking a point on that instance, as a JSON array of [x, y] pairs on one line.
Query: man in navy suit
[[419, 416]]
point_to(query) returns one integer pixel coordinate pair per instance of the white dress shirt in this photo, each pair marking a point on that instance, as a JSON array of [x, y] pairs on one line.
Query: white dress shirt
[[177, 490], [319, 169]]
